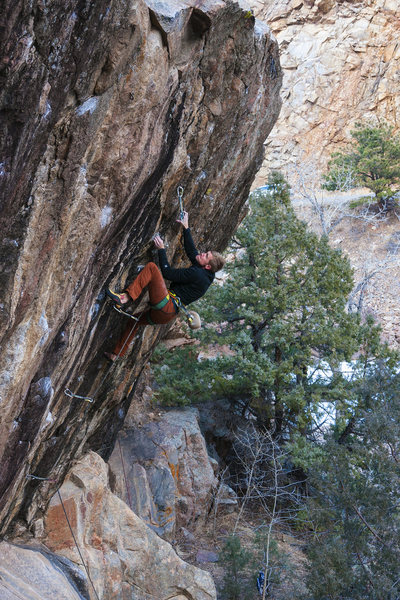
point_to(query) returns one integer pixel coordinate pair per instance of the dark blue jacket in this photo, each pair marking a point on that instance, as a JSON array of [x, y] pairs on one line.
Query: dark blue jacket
[[189, 284]]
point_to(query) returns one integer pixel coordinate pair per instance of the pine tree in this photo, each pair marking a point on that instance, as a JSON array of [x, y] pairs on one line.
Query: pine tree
[[374, 159], [236, 561], [282, 314]]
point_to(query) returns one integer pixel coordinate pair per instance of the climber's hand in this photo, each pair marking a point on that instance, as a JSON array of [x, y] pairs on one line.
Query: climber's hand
[[158, 242], [185, 220]]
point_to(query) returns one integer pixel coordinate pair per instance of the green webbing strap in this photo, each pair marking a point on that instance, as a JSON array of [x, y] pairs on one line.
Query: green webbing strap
[[178, 305], [160, 304]]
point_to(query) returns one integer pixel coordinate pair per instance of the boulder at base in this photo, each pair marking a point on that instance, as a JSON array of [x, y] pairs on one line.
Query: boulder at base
[[34, 574], [125, 558]]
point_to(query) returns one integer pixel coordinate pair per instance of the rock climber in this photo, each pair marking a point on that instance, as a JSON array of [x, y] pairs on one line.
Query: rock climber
[[188, 285]]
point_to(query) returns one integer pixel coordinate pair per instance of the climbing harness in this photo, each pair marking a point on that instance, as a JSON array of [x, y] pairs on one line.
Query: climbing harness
[[180, 306], [160, 304], [76, 544], [180, 199], [177, 303]]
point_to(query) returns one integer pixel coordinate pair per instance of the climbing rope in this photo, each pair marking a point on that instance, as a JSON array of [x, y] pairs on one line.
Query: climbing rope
[[120, 310], [30, 476], [180, 200], [76, 544]]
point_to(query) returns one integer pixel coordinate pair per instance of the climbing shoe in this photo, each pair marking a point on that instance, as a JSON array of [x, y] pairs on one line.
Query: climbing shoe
[[110, 356], [117, 298]]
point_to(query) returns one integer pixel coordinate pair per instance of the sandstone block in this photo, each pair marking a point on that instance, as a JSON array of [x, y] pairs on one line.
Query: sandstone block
[[125, 558]]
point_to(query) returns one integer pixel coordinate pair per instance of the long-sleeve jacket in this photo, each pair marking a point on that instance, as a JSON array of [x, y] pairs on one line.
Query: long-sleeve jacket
[[191, 283]]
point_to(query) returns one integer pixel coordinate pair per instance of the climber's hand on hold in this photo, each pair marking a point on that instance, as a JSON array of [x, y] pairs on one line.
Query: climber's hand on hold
[[184, 220], [158, 242]]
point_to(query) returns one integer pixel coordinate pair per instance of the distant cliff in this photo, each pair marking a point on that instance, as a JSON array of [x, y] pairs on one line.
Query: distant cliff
[[106, 107], [341, 63]]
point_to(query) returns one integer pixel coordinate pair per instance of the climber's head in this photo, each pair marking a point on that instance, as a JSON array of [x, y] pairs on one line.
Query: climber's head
[[211, 260]]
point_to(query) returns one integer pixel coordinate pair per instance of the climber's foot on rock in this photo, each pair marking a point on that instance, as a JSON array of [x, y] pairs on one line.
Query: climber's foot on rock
[[119, 299], [110, 356]]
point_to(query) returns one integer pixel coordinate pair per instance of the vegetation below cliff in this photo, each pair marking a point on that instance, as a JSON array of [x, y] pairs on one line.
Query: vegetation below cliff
[[314, 437]]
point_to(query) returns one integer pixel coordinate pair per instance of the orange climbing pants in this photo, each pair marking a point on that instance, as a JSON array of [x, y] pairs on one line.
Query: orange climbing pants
[[151, 278]]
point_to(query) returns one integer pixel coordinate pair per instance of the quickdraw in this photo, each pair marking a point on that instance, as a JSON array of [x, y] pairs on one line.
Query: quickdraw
[[124, 312], [116, 307], [180, 199], [70, 394], [30, 476]]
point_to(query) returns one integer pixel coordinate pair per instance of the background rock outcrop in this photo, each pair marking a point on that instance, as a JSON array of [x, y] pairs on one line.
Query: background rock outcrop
[[106, 108], [163, 471], [341, 63]]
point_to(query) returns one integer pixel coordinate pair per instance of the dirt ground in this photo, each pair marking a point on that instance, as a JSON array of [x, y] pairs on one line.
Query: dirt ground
[[209, 536]]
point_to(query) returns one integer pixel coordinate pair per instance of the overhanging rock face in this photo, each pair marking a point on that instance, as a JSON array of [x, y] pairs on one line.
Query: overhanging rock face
[[106, 108]]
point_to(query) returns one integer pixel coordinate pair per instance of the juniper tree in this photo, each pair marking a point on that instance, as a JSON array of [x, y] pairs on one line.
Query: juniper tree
[[374, 160], [281, 314], [236, 560]]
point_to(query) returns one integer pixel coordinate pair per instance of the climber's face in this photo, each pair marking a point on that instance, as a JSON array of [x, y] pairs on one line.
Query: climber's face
[[204, 259]]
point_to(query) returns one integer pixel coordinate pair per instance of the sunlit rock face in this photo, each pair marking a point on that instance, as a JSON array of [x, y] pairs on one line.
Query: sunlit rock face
[[124, 557], [106, 108], [33, 573], [341, 64]]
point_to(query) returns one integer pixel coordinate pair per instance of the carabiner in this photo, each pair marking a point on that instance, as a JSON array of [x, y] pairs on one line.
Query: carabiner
[[180, 198]]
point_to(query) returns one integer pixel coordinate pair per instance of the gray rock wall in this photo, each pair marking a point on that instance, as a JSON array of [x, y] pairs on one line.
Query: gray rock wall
[[163, 471], [30, 573], [106, 107]]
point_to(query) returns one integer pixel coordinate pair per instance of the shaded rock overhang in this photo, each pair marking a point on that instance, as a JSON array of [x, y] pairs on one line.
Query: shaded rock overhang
[[106, 107]]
